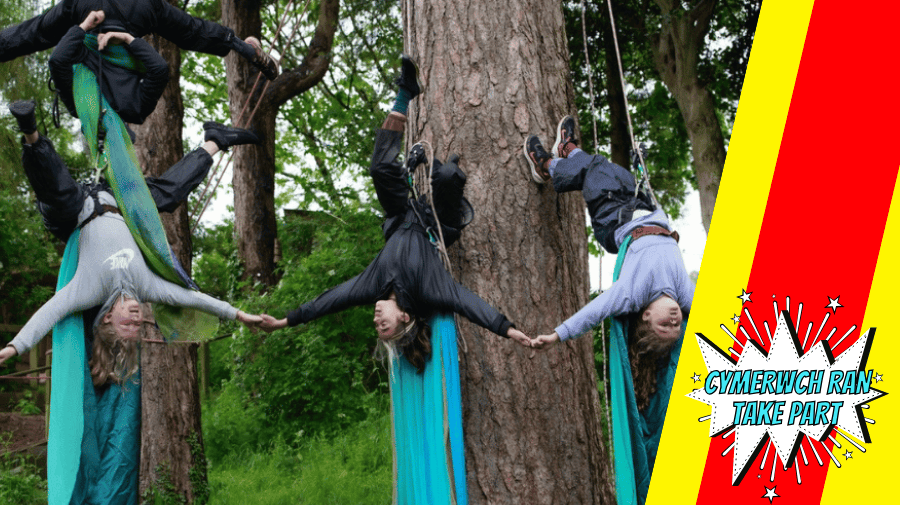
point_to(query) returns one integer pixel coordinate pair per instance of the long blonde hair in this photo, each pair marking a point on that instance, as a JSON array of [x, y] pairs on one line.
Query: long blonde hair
[[113, 359]]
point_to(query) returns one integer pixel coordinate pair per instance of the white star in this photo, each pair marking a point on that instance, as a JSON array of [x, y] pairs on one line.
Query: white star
[[696, 377], [847, 454], [736, 318], [878, 378], [785, 355], [833, 304], [744, 296], [770, 494]]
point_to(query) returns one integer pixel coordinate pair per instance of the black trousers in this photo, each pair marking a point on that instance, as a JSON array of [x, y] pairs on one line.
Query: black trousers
[[447, 182], [61, 198]]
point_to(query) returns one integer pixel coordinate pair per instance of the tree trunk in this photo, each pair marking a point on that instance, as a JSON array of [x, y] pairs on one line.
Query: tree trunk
[[254, 166], [495, 72], [676, 51], [171, 439], [620, 141]]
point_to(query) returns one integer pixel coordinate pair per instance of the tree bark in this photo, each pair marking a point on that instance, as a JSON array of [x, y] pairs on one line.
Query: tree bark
[[620, 141], [171, 437], [254, 166], [495, 72], [676, 51]]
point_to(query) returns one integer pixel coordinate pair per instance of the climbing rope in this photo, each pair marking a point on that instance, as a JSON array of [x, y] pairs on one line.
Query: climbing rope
[[645, 177], [587, 69], [206, 195]]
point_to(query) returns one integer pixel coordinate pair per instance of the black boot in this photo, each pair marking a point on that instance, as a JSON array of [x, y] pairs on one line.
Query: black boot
[[415, 158], [409, 77], [226, 136], [23, 111]]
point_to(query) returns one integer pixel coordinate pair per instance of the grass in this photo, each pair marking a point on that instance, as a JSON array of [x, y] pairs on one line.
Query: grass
[[355, 467]]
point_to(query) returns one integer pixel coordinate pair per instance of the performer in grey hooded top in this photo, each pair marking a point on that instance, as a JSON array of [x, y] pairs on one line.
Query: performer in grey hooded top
[[653, 281], [111, 268]]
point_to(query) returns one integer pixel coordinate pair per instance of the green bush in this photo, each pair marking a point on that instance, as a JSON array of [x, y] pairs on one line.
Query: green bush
[[232, 423], [20, 480]]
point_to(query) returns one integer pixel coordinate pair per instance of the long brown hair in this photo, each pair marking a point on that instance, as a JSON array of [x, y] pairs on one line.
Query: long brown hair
[[415, 343], [645, 352], [113, 359]]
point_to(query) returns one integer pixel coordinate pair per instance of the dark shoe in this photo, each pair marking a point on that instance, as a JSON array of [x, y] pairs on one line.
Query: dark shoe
[[565, 137], [537, 157], [409, 77], [263, 61], [23, 111], [415, 158], [226, 136]]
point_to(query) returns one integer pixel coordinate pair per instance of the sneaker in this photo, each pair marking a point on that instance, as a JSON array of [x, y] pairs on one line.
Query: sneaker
[[23, 111], [226, 136], [409, 77], [415, 158], [565, 137], [536, 156], [263, 61]]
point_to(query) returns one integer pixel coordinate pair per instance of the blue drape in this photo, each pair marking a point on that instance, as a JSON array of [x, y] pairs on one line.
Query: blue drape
[[429, 461]]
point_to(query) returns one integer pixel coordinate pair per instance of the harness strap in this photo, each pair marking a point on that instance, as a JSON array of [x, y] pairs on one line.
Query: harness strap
[[642, 231]]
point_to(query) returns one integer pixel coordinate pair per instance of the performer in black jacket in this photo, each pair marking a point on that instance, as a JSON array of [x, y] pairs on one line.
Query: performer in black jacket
[[407, 281], [132, 94], [137, 17]]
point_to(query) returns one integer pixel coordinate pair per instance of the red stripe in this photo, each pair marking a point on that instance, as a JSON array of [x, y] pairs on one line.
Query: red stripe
[[826, 210]]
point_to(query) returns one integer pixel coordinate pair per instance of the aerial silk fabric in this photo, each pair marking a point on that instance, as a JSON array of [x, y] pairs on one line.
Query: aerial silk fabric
[[132, 195], [69, 387], [635, 433], [429, 455]]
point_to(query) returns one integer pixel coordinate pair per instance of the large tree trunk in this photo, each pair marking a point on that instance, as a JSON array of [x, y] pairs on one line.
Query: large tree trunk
[[676, 51], [254, 166], [495, 72], [171, 439], [619, 139]]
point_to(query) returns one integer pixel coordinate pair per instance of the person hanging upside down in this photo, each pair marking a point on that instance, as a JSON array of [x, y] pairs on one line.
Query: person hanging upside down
[[131, 93], [138, 18], [407, 282], [653, 281], [111, 269]]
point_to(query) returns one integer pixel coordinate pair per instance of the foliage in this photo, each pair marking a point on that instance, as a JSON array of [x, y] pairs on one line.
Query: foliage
[[26, 405], [20, 480], [197, 473], [352, 467], [317, 377], [29, 255], [655, 115], [162, 491]]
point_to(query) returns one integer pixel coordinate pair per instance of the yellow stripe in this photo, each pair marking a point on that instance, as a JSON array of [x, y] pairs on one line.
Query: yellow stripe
[[870, 477], [729, 252]]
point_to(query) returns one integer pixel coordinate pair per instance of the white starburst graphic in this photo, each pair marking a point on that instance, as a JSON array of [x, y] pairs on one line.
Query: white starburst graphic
[[778, 398]]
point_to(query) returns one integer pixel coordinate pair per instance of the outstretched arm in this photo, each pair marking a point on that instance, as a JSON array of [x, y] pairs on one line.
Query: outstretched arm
[[36, 34], [74, 297], [360, 290]]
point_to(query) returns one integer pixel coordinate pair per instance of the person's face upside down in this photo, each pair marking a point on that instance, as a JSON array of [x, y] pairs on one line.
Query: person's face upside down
[[389, 318], [126, 318], [664, 317]]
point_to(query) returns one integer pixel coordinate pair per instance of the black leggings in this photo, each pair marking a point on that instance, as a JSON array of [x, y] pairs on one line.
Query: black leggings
[[61, 198]]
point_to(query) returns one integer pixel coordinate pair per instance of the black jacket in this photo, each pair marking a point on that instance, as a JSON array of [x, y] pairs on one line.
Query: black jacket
[[409, 266], [138, 17], [130, 93]]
